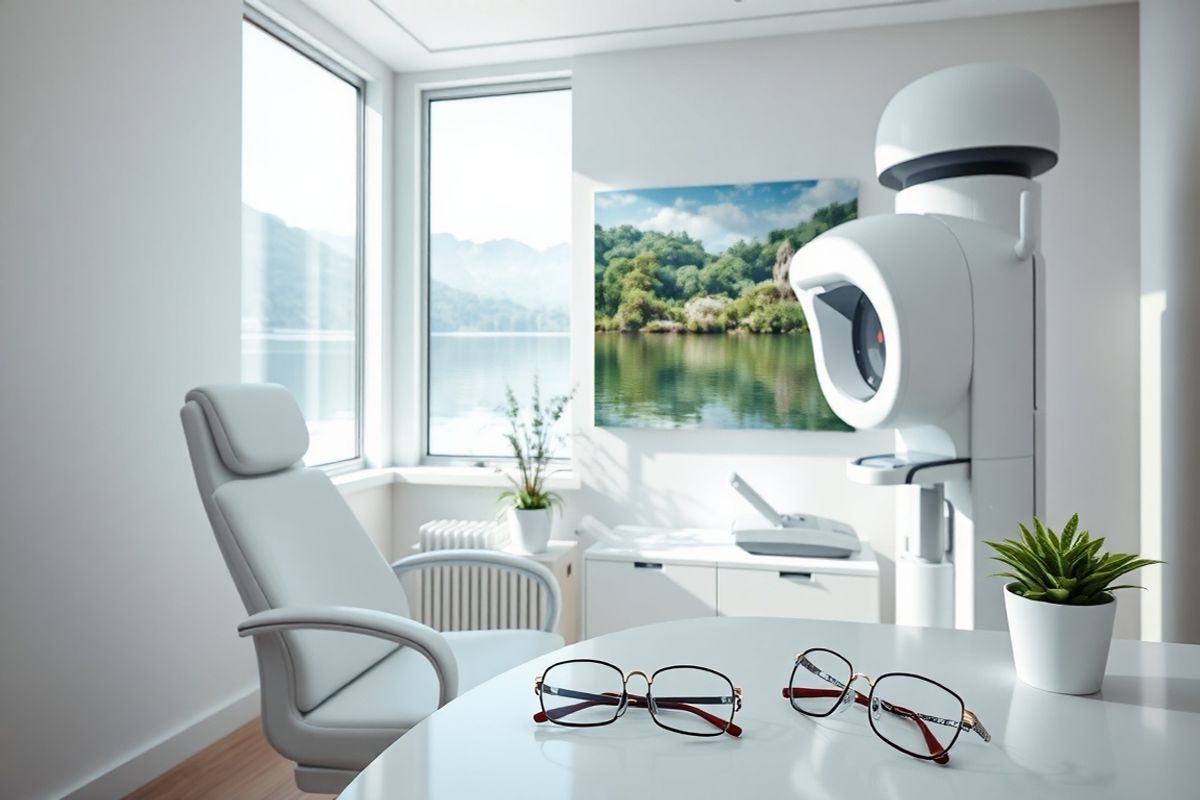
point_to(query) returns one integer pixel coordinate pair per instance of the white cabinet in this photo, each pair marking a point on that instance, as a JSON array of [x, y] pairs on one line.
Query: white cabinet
[[630, 586], [625, 594], [752, 592]]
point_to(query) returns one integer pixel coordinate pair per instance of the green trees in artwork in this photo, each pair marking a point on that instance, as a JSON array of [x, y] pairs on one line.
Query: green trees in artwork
[[651, 281]]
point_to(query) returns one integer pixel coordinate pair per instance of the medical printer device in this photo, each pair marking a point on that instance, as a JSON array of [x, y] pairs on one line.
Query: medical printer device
[[771, 533]]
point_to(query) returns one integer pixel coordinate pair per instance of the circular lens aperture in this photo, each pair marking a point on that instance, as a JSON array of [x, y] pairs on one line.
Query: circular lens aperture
[[818, 682], [870, 349], [692, 700], [582, 693], [918, 716]]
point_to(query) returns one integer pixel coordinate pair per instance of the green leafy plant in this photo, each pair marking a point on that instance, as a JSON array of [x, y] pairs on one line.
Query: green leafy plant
[[532, 442], [1067, 569]]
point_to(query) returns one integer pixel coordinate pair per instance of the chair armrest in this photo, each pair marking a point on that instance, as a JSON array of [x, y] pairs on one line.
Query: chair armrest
[[380, 624], [496, 560]]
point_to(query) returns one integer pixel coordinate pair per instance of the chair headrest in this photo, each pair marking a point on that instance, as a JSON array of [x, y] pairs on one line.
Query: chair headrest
[[257, 427]]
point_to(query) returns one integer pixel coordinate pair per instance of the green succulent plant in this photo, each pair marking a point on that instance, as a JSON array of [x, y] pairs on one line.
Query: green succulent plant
[[1067, 569]]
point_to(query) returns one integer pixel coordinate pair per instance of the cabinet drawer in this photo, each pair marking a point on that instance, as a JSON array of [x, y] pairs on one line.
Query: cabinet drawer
[[743, 592], [625, 594]]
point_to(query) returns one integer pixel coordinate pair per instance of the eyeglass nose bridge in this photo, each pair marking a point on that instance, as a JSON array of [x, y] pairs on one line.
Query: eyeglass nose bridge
[[850, 694], [864, 676], [625, 694]]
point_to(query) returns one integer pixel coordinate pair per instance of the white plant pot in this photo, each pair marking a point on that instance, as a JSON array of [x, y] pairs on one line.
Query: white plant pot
[[1060, 648], [530, 528]]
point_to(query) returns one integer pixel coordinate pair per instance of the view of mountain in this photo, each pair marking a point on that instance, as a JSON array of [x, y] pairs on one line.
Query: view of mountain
[[499, 286], [451, 310], [503, 269], [275, 263]]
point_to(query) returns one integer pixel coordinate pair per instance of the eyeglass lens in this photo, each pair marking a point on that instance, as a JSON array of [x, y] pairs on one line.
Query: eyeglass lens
[[819, 679], [692, 700], [582, 693], [915, 714]]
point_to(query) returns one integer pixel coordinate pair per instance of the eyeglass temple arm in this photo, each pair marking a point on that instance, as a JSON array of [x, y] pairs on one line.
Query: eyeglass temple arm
[[969, 721], [611, 699], [936, 751]]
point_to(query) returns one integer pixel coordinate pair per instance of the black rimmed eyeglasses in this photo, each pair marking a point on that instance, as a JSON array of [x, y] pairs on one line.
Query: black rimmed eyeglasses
[[914, 714], [586, 693]]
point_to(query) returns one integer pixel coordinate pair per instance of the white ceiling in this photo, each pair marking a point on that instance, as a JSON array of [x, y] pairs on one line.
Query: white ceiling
[[413, 35]]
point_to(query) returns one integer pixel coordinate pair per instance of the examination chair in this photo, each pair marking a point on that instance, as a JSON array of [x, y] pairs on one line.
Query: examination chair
[[344, 670]]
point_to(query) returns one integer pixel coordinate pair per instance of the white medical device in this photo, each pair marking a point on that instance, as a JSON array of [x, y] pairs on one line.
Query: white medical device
[[929, 321], [799, 535]]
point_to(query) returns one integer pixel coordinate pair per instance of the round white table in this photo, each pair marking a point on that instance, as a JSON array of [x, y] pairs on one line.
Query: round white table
[[1135, 739]]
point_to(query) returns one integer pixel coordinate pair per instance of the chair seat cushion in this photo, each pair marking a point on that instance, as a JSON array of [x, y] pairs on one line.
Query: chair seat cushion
[[401, 690]]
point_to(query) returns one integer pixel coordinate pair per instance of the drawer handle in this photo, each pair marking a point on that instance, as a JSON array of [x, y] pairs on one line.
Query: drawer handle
[[646, 565], [796, 576]]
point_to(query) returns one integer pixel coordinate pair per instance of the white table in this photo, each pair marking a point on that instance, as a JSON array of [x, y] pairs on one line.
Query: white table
[[1138, 739]]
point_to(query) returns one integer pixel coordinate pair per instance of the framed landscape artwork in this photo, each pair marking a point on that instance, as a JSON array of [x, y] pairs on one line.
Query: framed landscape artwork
[[696, 325]]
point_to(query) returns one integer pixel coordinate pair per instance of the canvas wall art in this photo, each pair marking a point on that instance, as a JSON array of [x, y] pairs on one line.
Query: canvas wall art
[[696, 325]]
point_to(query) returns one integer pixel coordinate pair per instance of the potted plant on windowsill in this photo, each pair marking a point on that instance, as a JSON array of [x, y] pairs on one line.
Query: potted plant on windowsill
[[1060, 605], [530, 507]]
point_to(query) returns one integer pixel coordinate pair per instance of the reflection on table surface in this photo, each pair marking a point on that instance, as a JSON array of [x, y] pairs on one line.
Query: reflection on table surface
[[1132, 739]]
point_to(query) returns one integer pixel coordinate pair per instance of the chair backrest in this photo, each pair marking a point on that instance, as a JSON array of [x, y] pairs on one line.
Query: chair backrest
[[287, 536]]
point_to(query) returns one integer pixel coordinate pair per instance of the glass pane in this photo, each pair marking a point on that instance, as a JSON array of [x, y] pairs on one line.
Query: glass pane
[[582, 693], [499, 263], [300, 198], [915, 714], [818, 682]]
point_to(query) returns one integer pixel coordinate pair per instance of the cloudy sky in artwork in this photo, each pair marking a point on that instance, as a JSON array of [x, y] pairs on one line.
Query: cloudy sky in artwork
[[721, 215]]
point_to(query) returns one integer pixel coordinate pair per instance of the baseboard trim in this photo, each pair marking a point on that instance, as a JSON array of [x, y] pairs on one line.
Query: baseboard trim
[[125, 776]]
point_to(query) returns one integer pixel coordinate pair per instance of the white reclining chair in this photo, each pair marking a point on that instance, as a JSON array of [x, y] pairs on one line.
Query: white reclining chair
[[344, 670]]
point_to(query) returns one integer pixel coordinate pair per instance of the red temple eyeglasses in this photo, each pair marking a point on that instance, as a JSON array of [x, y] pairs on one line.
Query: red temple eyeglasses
[[912, 713], [586, 693]]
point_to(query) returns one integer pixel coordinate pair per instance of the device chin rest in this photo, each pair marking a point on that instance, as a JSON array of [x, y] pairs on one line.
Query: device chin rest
[[257, 428]]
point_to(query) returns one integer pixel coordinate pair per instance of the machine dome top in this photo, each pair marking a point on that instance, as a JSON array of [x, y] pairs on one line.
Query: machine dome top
[[974, 119]]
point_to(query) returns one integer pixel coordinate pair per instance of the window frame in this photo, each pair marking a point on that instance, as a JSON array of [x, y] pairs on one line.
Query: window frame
[[321, 58], [427, 97]]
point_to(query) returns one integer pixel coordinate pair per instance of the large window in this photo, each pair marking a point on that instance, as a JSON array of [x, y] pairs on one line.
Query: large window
[[302, 135], [498, 172]]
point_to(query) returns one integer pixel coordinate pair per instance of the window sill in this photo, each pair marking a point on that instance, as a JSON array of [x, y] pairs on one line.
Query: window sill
[[360, 480], [483, 477]]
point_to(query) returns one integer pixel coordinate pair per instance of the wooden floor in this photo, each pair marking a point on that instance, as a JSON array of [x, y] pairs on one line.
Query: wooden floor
[[242, 765]]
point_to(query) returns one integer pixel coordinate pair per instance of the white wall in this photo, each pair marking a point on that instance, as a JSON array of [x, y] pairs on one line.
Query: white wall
[[120, 199], [807, 106], [120, 220], [1170, 115]]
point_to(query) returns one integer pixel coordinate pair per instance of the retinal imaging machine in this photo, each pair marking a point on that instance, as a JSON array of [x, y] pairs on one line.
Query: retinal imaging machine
[[930, 321]]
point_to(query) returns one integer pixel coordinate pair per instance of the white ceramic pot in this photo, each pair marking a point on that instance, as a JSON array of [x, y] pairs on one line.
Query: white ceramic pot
[[1059, 648], [530, 528]]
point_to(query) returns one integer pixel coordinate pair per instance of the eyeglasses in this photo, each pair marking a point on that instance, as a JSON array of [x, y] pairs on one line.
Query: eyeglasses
[[912, 713], [586, 693]]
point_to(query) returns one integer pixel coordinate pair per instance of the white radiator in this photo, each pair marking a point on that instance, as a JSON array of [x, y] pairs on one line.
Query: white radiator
[[473, 598]]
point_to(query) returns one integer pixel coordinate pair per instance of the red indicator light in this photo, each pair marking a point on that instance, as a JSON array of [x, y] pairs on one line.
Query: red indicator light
[[879, 337]]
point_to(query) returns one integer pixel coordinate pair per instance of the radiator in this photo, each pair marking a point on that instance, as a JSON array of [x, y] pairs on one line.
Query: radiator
[[473, 598]]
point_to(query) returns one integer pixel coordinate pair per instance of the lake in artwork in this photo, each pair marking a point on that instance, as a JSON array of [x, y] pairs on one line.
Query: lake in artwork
[[709, 381]]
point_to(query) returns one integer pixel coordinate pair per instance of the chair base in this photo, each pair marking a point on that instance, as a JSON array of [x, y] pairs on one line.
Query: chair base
[[323, 780]]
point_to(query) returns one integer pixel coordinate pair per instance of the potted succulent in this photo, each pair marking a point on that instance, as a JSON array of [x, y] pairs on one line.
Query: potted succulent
[[529, 506], [1060, 604]]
